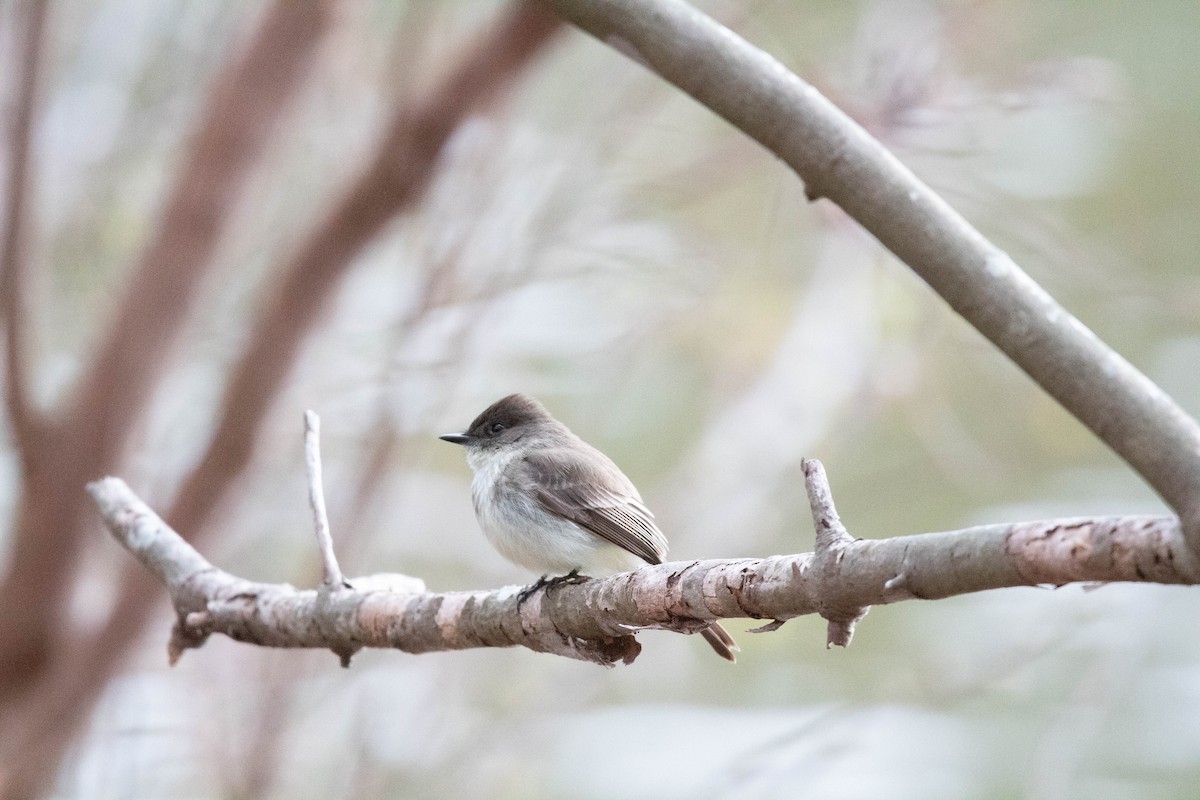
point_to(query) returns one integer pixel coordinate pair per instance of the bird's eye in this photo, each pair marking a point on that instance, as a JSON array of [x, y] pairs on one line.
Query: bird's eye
[[496, 428]]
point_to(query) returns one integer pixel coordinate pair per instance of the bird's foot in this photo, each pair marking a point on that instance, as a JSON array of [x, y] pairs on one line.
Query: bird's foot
[[529, 591], [571, 578]]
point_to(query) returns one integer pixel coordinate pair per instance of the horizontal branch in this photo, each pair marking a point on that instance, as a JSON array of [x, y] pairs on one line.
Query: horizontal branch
[[596, 620]]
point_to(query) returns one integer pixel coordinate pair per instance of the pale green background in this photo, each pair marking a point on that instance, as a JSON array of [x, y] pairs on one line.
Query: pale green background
[[663, 286]]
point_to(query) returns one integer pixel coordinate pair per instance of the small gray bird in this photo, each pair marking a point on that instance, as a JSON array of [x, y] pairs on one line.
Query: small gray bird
[[550, 502]]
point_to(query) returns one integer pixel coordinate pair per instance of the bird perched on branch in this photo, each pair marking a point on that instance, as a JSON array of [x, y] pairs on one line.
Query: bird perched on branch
[[550, 502]]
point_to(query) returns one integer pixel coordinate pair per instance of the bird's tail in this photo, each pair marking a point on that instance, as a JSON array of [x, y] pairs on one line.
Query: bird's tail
[[721, 641]]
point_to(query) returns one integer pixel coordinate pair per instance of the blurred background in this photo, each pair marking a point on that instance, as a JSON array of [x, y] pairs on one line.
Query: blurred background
[[605, 244]]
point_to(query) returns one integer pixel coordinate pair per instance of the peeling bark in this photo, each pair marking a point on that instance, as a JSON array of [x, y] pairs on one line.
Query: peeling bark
[[597, 620]]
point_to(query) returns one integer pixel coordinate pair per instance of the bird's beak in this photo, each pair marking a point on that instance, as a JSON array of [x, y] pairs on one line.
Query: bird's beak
[[455, 438]]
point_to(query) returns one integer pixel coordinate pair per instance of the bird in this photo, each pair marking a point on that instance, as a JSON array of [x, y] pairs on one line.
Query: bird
[[552, 503]]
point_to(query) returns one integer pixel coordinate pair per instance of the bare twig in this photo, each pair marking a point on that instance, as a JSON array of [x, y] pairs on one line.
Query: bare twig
[[830, 547], [14, 255], [830, 532], [596, 621], [839, 160], [331, 573]]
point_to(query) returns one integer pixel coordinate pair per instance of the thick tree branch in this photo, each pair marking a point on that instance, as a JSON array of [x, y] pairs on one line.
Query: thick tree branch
[[839, 160], [596, 621]]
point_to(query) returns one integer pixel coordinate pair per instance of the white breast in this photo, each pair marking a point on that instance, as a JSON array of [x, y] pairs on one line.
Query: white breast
[[528, 535]]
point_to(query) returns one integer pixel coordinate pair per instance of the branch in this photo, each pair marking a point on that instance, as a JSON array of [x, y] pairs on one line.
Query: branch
[[597, 620], [248, 98], [831, 543], [250, 93], [14, 257], [391, 181], [839, 160], [331, 573]]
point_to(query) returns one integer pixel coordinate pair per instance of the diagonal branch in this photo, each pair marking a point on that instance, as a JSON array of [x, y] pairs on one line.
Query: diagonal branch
[[839, 160], [389, 183], [245, 104], [14, 255], [597, 620]]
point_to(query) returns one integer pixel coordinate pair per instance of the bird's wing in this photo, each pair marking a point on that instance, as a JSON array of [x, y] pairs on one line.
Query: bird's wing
[[586, 488]]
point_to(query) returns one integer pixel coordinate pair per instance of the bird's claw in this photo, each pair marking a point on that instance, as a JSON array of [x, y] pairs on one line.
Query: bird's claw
[[529, 591], [571, 578]]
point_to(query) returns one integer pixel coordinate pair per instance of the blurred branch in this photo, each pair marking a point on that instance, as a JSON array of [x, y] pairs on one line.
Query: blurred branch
[[596, 620], [14, 255], [43, 699], [242, 111], [248, 96], [391, 181], [839, 160]]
